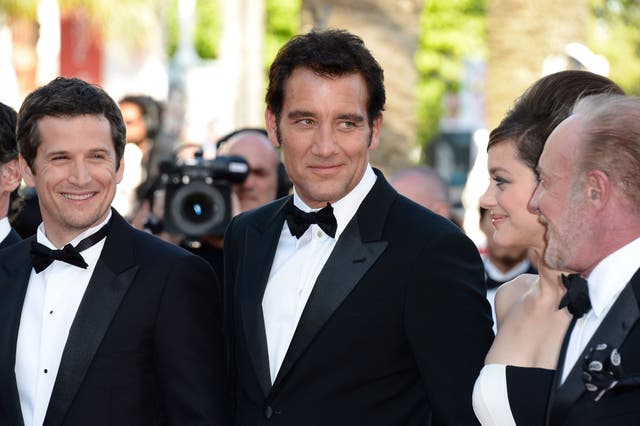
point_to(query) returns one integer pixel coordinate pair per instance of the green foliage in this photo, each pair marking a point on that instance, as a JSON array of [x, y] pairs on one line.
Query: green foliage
[[616, 37], [19, 9], [282, 23], [172, 27], [452, 30], [207, 31]]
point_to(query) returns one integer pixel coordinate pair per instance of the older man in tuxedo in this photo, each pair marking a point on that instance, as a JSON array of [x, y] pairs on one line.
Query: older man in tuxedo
[[589, 197], [9, 173], [348, 303], [100, 324]]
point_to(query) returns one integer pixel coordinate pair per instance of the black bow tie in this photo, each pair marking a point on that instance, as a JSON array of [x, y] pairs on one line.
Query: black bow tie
[[42, 256], [576, 299], [299, 221]]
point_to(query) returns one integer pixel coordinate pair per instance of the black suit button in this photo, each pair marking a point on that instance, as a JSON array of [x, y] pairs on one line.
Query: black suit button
[[268, 412]]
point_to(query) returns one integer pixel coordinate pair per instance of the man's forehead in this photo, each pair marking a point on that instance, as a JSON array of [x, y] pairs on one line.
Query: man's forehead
[[561, 147]]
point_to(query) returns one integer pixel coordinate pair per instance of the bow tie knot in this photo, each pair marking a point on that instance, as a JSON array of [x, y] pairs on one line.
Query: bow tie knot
[[42, 256], [576, 299], [299, 221]]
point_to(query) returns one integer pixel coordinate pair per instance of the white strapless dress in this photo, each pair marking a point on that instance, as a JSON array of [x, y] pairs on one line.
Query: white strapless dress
[[506, 395]]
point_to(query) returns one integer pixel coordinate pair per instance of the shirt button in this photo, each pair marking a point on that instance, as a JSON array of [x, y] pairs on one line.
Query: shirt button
[[268, 412], [46, 371], [319, 234]]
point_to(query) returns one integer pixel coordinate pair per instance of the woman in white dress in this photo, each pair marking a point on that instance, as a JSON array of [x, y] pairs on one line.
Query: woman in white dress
[[513, 387]]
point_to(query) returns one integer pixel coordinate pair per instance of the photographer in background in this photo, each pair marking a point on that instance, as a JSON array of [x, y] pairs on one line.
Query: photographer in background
[[143, 119], [266, 180]]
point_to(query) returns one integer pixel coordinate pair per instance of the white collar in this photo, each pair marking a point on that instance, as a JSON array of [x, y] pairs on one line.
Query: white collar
[[42, 237], [612, 274], [5, 228], [496, 274], [346, 207]]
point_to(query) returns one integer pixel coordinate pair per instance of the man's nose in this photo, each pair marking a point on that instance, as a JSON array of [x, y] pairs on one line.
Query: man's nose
[[324, 144], [534, 202], [80, 174]]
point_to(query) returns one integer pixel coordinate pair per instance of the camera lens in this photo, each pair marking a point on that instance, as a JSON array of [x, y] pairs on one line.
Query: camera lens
[[197, 207]]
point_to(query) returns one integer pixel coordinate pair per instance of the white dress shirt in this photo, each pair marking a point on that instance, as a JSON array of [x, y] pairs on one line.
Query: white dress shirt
[[50, 305], [605, 282], [5, 228], [295, 269]]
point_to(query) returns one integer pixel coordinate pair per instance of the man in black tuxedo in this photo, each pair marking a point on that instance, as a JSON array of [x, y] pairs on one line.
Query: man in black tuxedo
[[9, 173], [589, 197], [100, 324], [375, 313]]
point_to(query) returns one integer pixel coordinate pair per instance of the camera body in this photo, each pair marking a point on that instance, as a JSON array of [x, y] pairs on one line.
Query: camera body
[[198, 194]]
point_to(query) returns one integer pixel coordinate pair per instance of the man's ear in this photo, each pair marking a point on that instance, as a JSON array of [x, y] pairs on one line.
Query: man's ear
[[598, 188], [375, 132], [10, 179], [271, 122], [26, 172], [120, 170]]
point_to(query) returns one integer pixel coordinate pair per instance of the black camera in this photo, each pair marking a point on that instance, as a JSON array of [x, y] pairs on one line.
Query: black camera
[[198, 193]]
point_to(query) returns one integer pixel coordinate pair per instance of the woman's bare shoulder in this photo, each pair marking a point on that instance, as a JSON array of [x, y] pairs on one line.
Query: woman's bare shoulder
[[512, 292]]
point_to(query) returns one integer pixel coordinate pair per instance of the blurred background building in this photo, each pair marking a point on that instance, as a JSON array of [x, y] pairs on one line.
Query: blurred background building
[[452, 67]]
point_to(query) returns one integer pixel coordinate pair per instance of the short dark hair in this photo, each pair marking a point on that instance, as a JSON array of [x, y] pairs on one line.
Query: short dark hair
[[542, 107], [328, 53], [66, 97], [8, 146]]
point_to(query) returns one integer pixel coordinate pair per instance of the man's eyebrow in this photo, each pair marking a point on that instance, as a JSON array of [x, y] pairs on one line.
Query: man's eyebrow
[[299, 113], [358, 118]]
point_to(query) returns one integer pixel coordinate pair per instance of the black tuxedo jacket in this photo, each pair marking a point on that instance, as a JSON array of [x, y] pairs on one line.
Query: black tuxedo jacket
[[394, 332], [572, 405], [145, 347], [11, 238]]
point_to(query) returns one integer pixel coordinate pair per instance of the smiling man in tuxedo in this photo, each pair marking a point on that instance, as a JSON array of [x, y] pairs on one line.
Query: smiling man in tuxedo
[[9, 173], [100, 324], [347, 303], [589, 197]]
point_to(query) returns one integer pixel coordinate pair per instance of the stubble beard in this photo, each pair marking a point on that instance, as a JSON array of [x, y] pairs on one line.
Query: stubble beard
[[556, 251]]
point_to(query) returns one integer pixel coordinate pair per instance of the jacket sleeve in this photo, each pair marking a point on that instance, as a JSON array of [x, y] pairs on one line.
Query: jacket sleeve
[[190, 354], [449, 325]]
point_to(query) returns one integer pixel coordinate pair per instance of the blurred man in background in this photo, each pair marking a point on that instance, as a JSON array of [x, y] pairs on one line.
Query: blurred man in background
[[423, 185], [9, 172], [501, 264], [261, 185]]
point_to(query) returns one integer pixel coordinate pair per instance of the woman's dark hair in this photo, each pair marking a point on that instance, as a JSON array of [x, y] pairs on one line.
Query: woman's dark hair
[[543, 106]]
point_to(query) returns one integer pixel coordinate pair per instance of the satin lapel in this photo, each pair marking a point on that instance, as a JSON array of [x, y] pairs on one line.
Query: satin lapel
[[557, 376], [260, 246], [357, 249], [11, 238], [349, 261], [14, 279], [111, 279], [613, 330]]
